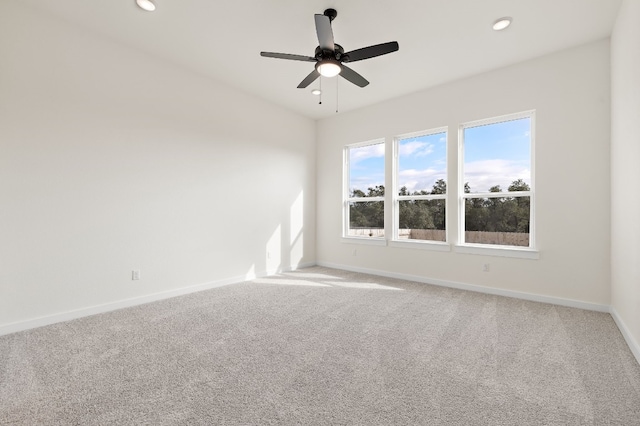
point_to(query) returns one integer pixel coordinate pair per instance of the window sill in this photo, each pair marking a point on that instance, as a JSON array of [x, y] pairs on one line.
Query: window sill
[[373, 241], [421, 245], [502, 251]]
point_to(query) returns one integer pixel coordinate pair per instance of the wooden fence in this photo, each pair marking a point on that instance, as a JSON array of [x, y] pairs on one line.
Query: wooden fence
[[472, 237]]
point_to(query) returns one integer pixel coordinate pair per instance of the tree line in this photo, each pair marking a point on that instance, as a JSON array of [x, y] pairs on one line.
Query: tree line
[[500, 214]]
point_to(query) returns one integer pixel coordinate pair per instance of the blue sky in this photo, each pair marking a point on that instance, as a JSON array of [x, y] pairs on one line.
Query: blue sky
[[366, 167], [494, 154], [497, 154], [422, 161]]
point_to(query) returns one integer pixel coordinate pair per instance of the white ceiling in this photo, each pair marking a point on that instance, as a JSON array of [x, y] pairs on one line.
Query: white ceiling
[[440, 40]]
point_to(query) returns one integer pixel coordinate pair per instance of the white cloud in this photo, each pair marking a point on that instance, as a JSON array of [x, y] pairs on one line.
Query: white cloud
[[415, 149], [364, 152], [482, 175], [416, 180], [363, 183]]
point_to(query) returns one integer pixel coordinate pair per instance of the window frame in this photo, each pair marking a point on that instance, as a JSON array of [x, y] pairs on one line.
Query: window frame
[[346, 199], [529, 251], [395, 198]]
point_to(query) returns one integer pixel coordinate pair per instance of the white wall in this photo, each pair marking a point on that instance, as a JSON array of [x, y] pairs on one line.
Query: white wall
[[625, 172], [570, 92], [112, 160]]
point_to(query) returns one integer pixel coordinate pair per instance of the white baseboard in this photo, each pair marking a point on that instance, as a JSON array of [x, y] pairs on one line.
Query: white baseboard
[[141, 300], [628, 337], [108, 307], [476, 288]]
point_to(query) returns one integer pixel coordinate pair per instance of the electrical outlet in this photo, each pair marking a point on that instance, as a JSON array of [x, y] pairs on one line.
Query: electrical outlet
[[486, 267], [135, 274]]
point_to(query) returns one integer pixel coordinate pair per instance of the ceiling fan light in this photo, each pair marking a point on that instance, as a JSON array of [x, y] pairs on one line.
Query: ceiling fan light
[[316, 92], [146, 5], [328, 68], [502, 23]]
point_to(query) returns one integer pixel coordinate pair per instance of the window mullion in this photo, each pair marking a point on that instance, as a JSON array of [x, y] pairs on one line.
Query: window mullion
[[364, 199], [510, 194]]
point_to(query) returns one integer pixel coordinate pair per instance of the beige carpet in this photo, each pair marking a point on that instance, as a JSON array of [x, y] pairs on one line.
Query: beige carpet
[[322, 346]]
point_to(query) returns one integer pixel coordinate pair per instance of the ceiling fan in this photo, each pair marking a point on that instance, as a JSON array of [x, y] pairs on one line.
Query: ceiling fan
[[330, 57]]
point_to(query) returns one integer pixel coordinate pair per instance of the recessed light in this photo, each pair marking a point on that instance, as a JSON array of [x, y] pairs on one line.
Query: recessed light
[[316, 92], [502, 23], [146, 5]]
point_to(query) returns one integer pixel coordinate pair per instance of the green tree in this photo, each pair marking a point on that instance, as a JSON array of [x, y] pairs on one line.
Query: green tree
[[357, 219], [377, 191], [437, 207], [439, 187], [499, 214], [494, 211], [518, 185], [475, 212], [520, 207], [367, 214]]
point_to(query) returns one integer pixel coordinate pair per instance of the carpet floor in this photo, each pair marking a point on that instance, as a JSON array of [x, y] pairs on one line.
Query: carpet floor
[[323, 346]]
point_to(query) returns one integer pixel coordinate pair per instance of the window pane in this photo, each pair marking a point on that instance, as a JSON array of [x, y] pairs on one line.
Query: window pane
[[497, 155], [366, 170], [422, 165], [422, 220], [366, 219], [502, 221]]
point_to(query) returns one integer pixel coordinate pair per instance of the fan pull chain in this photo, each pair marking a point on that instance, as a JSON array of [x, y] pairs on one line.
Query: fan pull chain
[[320, 103], [337, 94]]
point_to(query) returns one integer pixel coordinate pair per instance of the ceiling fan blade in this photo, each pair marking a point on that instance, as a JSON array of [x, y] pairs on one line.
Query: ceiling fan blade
[[288, 56], [325, 33], [309, 79], [372, 51], [353, 76]]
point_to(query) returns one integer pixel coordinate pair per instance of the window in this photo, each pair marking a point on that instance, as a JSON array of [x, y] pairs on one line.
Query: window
[[364, 190], [421, 187], [496, 201], [495, 189]]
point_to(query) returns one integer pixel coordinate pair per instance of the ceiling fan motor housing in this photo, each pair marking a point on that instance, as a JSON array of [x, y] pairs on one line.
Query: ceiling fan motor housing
[[337, 54]]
